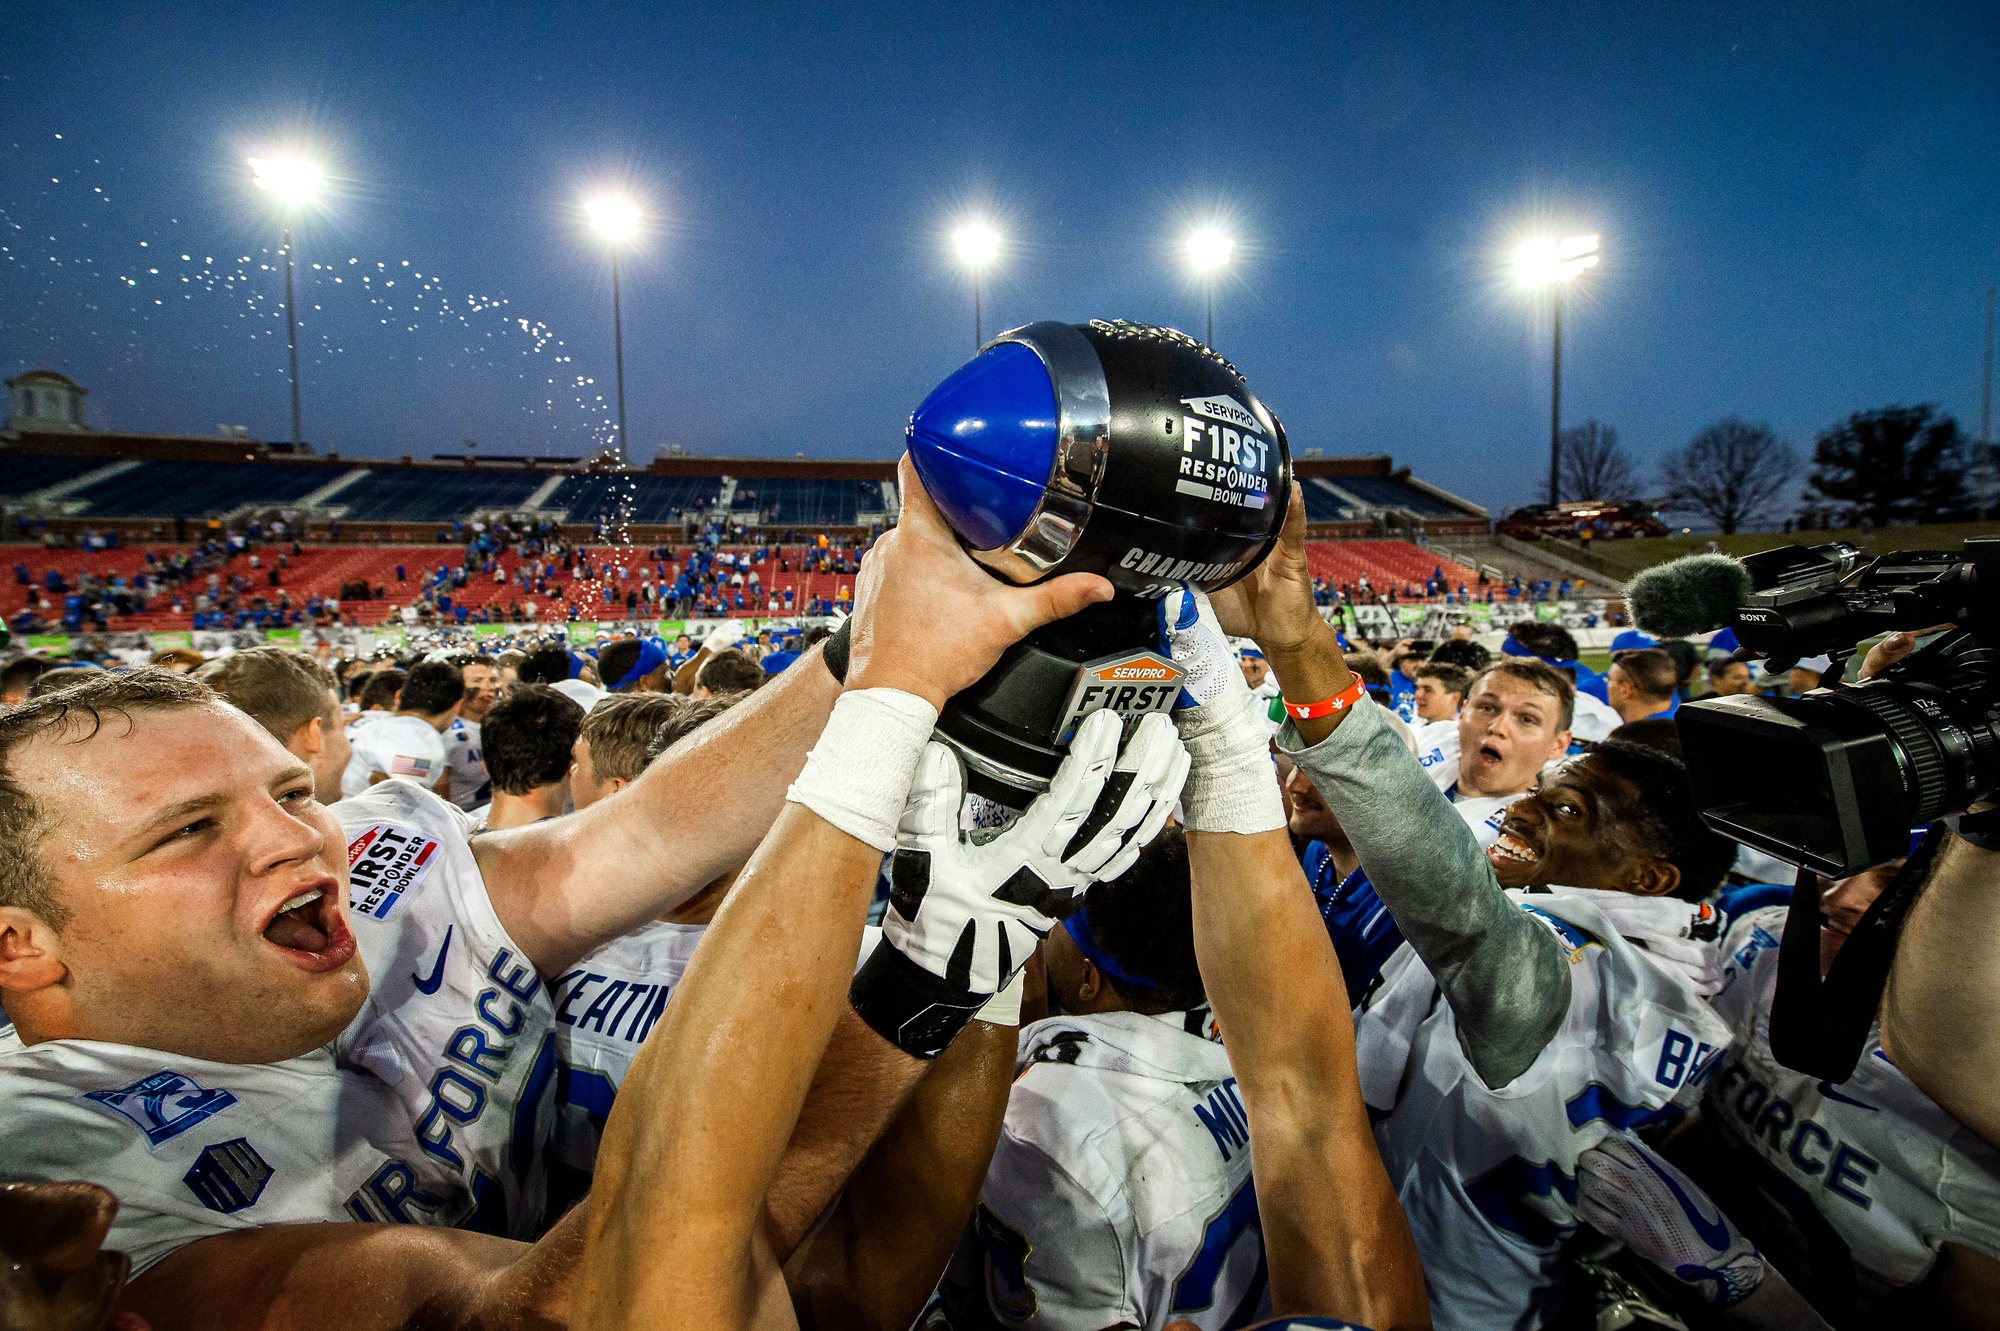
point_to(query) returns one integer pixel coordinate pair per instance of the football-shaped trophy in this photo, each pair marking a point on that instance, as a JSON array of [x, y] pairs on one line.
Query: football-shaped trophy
[[1108, 447]]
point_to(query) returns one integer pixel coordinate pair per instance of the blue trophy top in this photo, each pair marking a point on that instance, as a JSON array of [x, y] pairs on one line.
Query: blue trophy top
[[984, 443]]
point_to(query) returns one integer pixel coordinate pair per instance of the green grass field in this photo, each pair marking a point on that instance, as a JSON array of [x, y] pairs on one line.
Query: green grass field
[[1621, 559]]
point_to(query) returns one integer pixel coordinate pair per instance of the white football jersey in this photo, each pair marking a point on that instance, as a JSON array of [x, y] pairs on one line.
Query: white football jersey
[[1437, 751], [1593, 719], [1488, 1177], [1120, 1189], [457, 1020], [397, 746], [605, 1006], [1482, 813], [1887, 1172], [194, 1148], [470, 787]]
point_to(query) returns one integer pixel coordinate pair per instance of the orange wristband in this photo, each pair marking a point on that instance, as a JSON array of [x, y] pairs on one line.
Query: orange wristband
[[1339, 702]]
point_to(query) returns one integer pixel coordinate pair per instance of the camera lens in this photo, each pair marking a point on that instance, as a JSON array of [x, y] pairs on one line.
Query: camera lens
[[1835, 780]]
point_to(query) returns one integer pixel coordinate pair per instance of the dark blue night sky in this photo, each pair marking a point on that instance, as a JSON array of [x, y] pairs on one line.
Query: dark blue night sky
[[1800, 206]]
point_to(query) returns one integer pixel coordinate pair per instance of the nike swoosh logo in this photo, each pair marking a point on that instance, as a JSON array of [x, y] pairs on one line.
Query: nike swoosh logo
[[1826, 1089], [430, 986], [1715, 1233]]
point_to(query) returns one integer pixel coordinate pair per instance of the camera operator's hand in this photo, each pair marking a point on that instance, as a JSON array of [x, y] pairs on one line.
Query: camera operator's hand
[[1273, 606], [1894, 648], [930, 621]]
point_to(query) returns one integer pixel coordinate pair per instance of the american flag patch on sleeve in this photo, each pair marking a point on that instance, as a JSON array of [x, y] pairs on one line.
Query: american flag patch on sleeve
[[402, 765]]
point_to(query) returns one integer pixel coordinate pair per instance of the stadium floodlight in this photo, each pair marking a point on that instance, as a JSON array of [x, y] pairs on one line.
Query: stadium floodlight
[[977, 245], [616, 218], [294, 182], [1209, 250], [613, 216], [293, 179], [1545, 262]]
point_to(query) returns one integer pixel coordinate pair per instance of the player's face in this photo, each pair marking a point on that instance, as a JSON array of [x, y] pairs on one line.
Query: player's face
[[1435, 702], [1507, 730], [1309, 815], [1617, 688], [584, 787], [334, 751], [1255, 670], [1734, 680], [1581, 828], [482, 686], [206, 889]]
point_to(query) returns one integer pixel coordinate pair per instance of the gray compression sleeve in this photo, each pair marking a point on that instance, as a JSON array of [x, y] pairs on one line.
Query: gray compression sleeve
[[1502, 972]]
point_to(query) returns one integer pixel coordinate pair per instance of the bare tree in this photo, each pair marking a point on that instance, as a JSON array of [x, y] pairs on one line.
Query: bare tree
[[1592, 466], [1730, 473]]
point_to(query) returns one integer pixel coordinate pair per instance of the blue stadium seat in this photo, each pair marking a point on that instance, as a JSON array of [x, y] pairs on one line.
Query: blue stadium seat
[[200, 489], [1324, 504], [790, 501], [25, 473], [644, 498], [434, 494], [1387, 492]]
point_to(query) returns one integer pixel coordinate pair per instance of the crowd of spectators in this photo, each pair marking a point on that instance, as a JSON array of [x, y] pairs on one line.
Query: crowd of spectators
[[1443, 1009]]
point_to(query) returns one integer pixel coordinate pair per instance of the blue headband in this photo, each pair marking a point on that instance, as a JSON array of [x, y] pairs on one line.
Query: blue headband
[[1078, 925], [652, 655]]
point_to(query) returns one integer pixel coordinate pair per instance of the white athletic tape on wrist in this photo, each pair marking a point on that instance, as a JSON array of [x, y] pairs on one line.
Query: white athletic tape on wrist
[[858, 775], [1004, 1008], [1232, 784]]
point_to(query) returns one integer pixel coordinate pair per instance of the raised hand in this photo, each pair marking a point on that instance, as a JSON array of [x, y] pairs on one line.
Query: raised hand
[[1273, 605], [930, 621]]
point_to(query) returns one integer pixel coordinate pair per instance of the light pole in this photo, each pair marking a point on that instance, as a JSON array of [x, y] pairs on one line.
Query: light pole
[[1555, 264], [616, 219], [977, 246], [294, 182], [1209, 249]]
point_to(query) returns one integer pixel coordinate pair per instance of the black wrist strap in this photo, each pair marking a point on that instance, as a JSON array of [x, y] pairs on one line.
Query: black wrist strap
[[833, 650], [908, 1006]]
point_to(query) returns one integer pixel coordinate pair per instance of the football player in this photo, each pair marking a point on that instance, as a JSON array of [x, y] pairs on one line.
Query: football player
[[219, 1020], [1554, 1027]]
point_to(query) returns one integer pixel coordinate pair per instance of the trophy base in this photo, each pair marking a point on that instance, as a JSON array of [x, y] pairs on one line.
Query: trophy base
[[1012, 727]]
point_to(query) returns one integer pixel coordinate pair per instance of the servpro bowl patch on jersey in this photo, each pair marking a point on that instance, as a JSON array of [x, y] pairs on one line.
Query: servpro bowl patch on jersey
[[384, 862], [1130, 684]]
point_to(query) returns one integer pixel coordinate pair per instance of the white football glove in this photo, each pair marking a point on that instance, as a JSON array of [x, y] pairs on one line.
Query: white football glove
[[971, 913], [1629, 1193], [1233, 784], [724, 635]]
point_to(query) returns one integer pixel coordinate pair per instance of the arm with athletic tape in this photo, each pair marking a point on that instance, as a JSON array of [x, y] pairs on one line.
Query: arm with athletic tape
[[710, 1105], [1334, 1234], [1500, 970], [567, 886]]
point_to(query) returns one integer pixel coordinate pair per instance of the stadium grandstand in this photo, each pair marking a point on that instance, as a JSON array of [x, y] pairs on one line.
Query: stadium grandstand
[[148, 522]]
